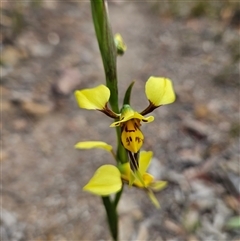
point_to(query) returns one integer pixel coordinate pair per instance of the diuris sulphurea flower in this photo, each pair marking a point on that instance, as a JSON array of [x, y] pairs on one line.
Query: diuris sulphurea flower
[[159, 91], [109, 179], [131, 136]]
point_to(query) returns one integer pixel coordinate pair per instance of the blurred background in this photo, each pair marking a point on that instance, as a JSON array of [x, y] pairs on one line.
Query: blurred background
[[48, 50]]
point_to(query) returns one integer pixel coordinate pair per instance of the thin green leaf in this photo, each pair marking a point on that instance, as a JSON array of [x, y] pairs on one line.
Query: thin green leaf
[[127, 96]]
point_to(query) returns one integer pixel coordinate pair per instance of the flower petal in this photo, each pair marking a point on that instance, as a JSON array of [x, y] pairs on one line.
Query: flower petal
[[148, 179], [142, 118], [94, 98], [153, 198], [127, 175], [144, 160], [127, 113], [159, 91], [105, 181], [93, 144], [158, 185], [132, 137]]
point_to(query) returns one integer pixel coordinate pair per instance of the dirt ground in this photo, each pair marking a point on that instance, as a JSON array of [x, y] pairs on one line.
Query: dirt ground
[[195, 140]]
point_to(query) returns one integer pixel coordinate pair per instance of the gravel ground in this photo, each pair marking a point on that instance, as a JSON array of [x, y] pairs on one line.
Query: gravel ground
[[195, 140]]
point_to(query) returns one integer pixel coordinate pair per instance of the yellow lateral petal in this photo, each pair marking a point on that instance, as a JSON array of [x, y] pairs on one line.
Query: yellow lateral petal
[[93, 144], [144, 160], [159, 91], [94, 98], [105, 181]]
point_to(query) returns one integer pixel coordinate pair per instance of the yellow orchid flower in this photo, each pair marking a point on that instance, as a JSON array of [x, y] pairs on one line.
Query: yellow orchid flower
[[159, 91], [132, 137], [150, 184], [144, 161], [107, 179]]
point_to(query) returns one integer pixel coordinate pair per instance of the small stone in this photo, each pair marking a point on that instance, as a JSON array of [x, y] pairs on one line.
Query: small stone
[[233, 203], [11, 229], [196, 128], [143, 233], [191, 220], [190, 155], [52, 5], [123, 208], [192, 238], [201, 111], [69, 80], [41, 50], [179, 196], [53, 38], [37, 109], [203, 196], [137, 214], [126, 227], [173, 227], [3, 155], [158, 239], [20, 124], [5, 106], [11, 55]]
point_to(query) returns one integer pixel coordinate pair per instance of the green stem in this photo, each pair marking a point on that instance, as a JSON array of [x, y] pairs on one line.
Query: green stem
[[112, 217], [117, 197], [107, 48], [109, 57], [121, 151]]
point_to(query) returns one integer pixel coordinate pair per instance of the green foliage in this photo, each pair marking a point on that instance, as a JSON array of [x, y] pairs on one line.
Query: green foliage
[[127, 96], [233, 223]]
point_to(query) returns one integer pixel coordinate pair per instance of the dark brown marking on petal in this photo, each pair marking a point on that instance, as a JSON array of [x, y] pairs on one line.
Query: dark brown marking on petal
[[136, 126], [126, 129], [133, 160], [138, 139]]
